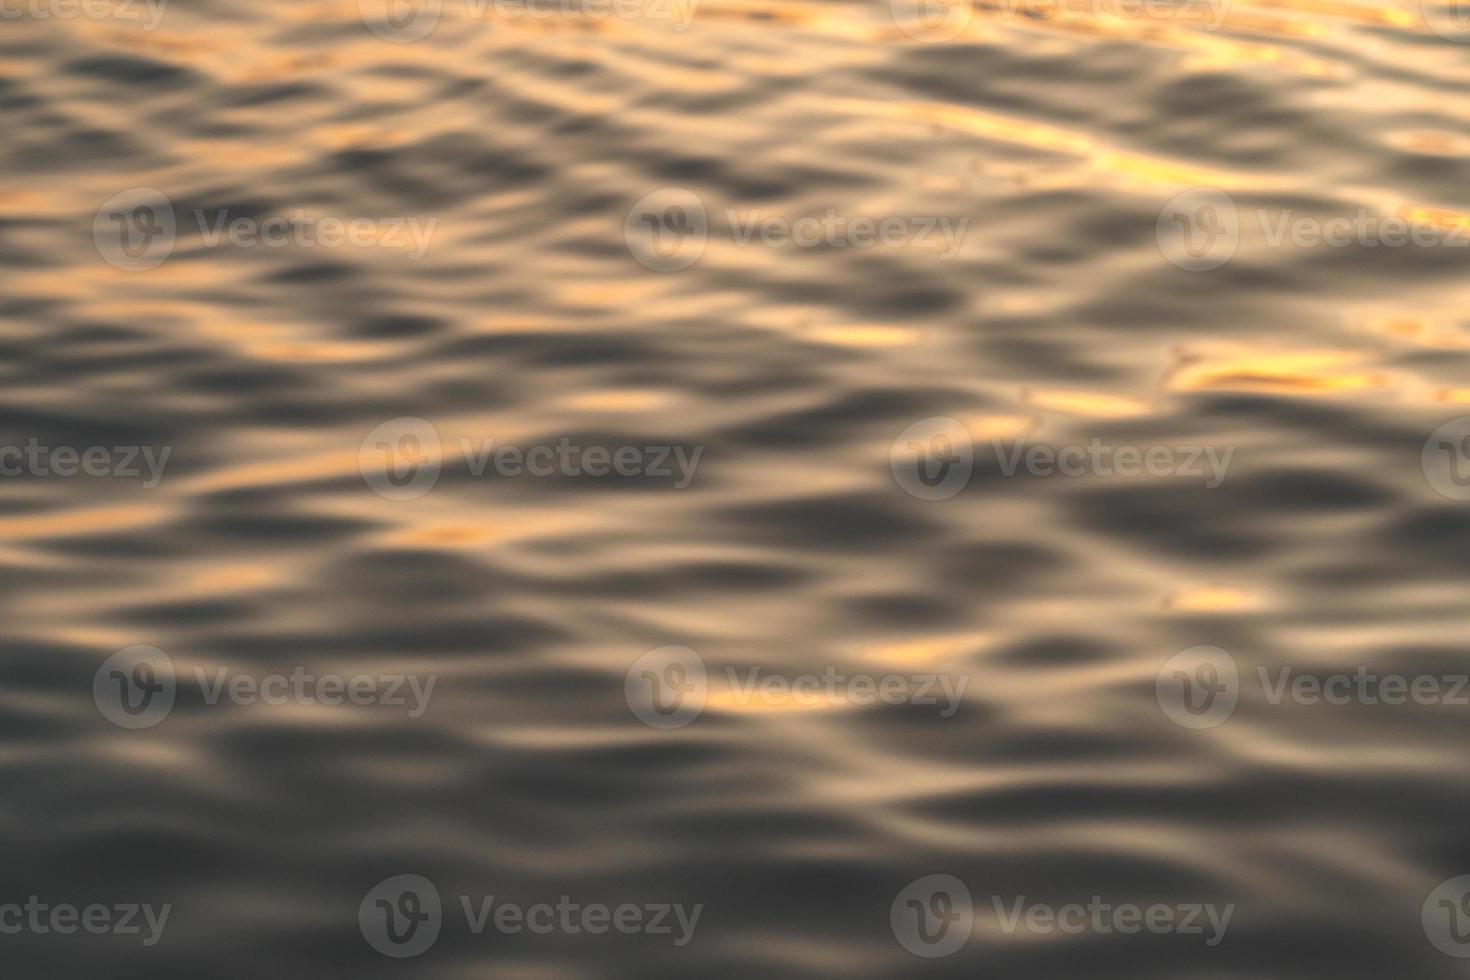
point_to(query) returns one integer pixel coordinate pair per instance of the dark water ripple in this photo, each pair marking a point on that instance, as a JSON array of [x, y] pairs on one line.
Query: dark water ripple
[[526, 142]]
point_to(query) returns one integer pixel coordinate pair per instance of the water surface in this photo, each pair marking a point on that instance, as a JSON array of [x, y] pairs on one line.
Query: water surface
[[1058, 137]]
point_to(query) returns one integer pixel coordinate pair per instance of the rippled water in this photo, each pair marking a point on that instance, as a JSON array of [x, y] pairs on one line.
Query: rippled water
[[326, 507]]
